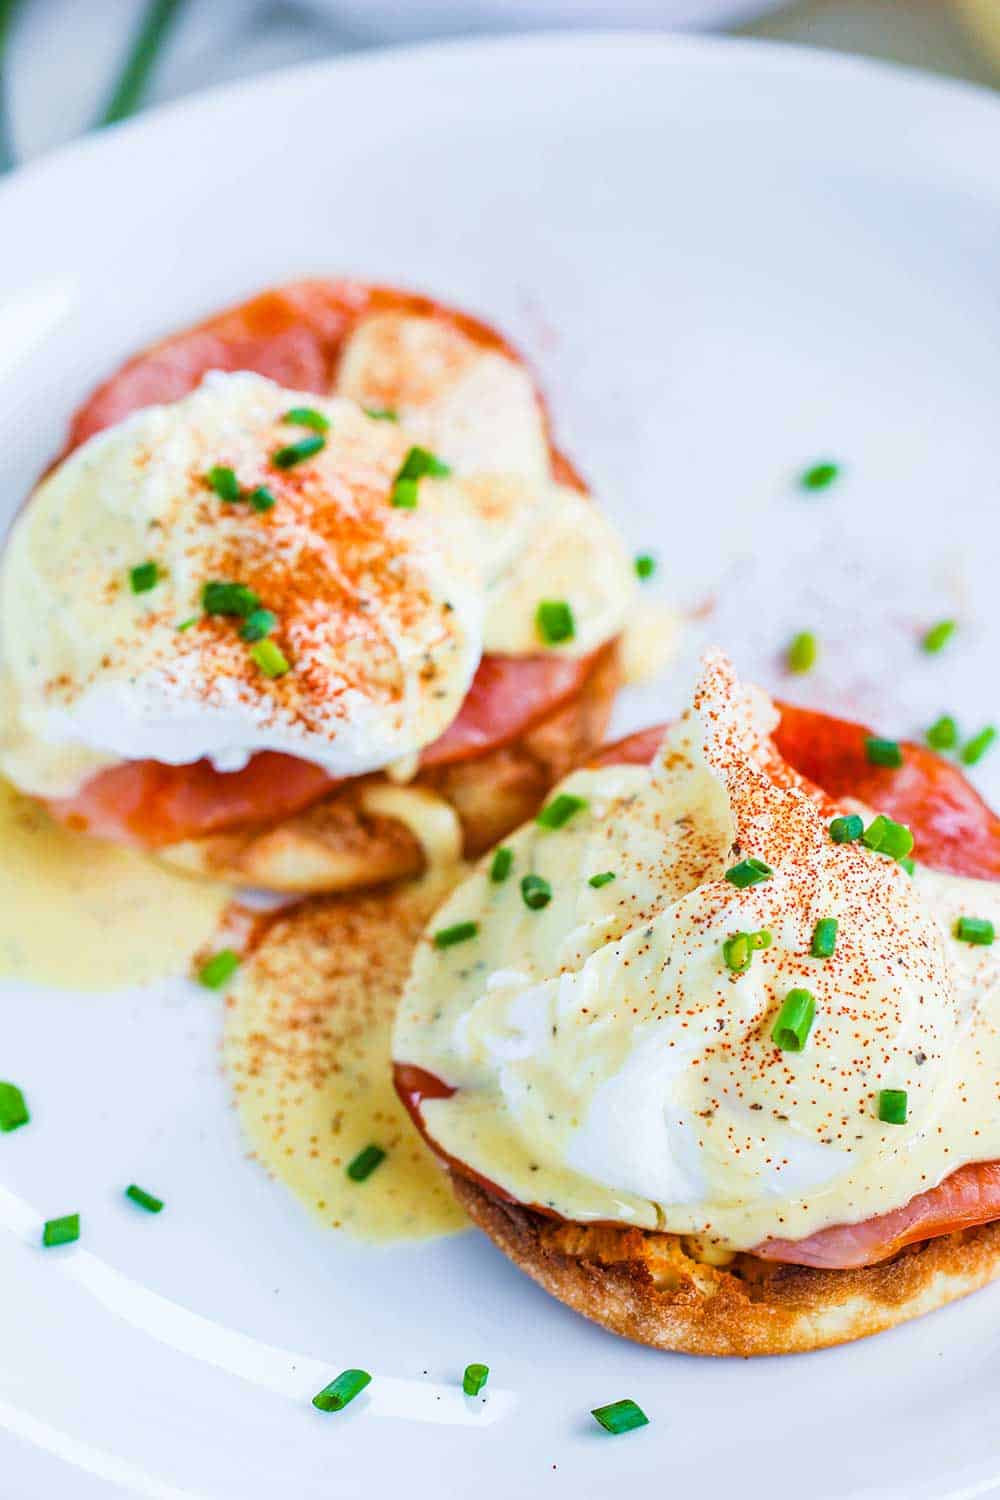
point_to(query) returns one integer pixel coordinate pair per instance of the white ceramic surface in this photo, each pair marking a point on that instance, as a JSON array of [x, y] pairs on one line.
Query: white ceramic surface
[[389, 19], [728, 260]]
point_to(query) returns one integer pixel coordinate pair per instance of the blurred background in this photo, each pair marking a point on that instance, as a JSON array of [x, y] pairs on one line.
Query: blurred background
[[66, 65]]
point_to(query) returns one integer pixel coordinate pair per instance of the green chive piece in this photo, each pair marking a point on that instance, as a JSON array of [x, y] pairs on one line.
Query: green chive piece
[[342, 1391], [404, 494], [943, 733], [974, 750], [536, 892], [554, 621], [224, 482], [258, 625], [938, 636], [220, 967], [892, 1106], [819, 476], [885, 836], [501, 866], [143, 1199], [295, 453], [61, 1231], [645, 566], [604, 878], [738, 952], [908, 864], [976, 930], [847, 830], [365, 1163], [307, 416], [420, 462], [824, 941], [13, 1110], [144, 577], [559, 811], [748, 872], [261, 498], [802, 652], [762, 939], [381, 413], [620, 1416], [270, 658], [475, 1378], [191, 620], [219, 598], [794, 1022], [883, 753], [461, 932]]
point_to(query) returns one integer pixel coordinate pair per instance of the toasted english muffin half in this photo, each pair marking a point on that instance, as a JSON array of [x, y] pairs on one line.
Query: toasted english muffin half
[[649, 1287]]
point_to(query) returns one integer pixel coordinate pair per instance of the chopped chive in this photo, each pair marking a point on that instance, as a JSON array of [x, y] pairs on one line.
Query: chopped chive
[[883, 753], [802, 652], [501, 865], [261, 498], [404, 494], [738, 952], [794, 1023], [364, 1164], [536, 892], [191, 620], [819, 476], [885, 836], [620, 1416], [61, 1231], [381, 413], [973, 750], [220, 598], [892, 1106], [554, 621], [13, 1110], [143, 577], [824, 939], [938, 636], [908, 864], [420, 462], [461, 932], [645, 566], [270, 658], [143, 1199], [978, 930], [294, 453], [475, 1378], [220, 967], [342, 1391], [943, 733], [761, 939], [848, 829], [559, 811], [223, 481], [258, 625], [748, 872], [604, 878], [307, 416]]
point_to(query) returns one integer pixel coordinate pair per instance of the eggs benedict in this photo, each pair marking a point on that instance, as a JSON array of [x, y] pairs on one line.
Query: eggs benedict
[[306, 575], [707, 1053]]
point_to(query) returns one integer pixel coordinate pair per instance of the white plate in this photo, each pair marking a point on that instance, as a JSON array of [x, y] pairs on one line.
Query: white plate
[[729, 260]]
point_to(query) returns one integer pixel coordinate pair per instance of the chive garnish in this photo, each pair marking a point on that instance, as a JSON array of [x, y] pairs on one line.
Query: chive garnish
[[220, 967], [270, 658], [892, 1106], [938, 636], [943, 733], [418, 464], [461, 932], [404, 494], [223, 481], [61, 1231], [762, 939], [802, 652], [795, 1018], [978, 930], [554, 621], [13, 1109], [847, 829], [819, 476], [824, 939], [559, 811], [261, 498], [908, 864], [381, 413], [974, 750], [738, 952], [883, 753], [342, 1391], [536, 891], [475, 1378], [604, 878], [645, 565], [365, 1163], [885, 836], [221, 598], [191, 620], [501, 865], [143, 577], [294, 453], [143, 1199], [307, 416], [258, 625], [620, 1416], [748, 872]]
